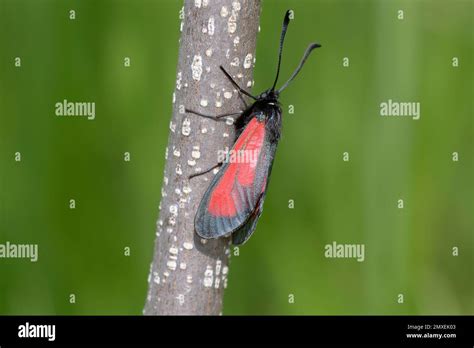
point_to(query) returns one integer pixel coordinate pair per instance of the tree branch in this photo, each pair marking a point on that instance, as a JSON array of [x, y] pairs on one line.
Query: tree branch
[[188, 275]]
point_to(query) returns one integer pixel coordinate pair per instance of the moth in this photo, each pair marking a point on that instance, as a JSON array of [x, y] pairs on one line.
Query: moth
[[234, 199]]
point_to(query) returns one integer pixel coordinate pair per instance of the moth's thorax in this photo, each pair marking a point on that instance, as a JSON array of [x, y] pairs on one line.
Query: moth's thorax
[[268, 110]]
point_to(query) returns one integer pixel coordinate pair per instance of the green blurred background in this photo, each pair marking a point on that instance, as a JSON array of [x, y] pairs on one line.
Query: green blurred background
[[408, 251]]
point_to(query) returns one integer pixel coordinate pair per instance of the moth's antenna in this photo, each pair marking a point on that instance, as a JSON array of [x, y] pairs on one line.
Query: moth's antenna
[[303, 60], [286, 21]]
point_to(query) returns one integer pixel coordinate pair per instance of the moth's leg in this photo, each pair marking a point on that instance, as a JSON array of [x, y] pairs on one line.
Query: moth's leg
[[240, 89], [241, 93], [216, 118], [206, 171], [243, 101]]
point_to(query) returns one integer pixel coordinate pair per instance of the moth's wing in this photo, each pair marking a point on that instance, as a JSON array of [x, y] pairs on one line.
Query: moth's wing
[[241, 235], [234, 192], [245, 231]]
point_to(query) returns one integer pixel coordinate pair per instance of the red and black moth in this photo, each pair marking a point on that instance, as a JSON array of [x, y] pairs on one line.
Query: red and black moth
[[233, 202]]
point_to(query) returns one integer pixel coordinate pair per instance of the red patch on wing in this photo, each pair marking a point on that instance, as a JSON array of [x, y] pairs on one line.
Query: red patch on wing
[[225, 200]]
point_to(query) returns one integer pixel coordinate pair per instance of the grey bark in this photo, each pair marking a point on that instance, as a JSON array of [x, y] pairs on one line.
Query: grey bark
[[188, 275]]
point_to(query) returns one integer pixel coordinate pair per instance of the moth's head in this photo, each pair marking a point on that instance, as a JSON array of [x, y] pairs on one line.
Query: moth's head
[[269, 95]]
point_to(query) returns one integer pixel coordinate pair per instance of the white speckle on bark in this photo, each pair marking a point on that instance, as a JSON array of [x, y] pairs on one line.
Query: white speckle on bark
[[196, 153], [156, 278], [240, 75], [187, 189], [174, 209], [225, 270], [196, 67], [204, 30], [203, 102], [166, 153], [191, 163], [224, 283], [186, 127], [236, 5], [235, 62], [182, 202], [208, 277], [179, 77], [227, 53], [182, 265], [218, 267], [248, 61], [174, 97], [173, 250], [210, 26], [209, 52], [172, 220], [259, 29], [197, 3], [214, 171], [249, 83], [178, 191], [203, 241], [189, 279], [229, 121], [218, 103], [166, 274], [169, 230], [188, 245], [204, 130], [165, 180], [216, 284], [232, 23], [236, 41], [179, 171], [181, 17], [208, 69], [227, 95], [180, 299], [224, 11], [163, 193], [225, 135], [172, 126], [176, 152]]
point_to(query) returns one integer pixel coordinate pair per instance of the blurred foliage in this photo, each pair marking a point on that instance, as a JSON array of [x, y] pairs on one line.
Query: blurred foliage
[[408, 250]]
